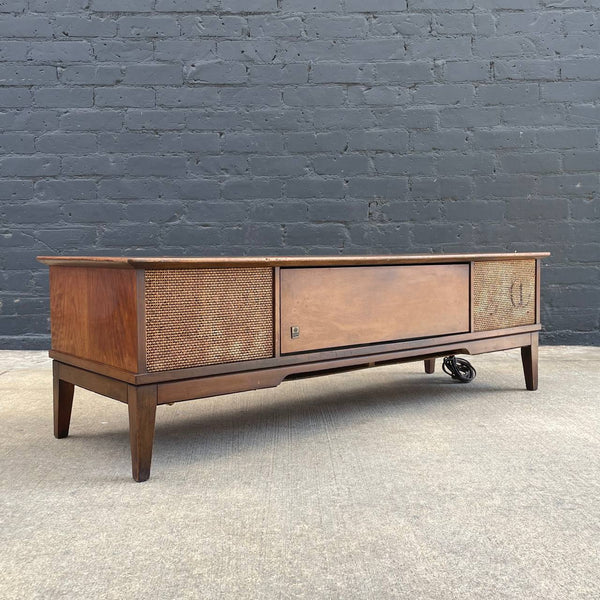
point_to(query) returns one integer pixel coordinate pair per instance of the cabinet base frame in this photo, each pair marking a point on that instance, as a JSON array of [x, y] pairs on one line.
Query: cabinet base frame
[[142, 400]]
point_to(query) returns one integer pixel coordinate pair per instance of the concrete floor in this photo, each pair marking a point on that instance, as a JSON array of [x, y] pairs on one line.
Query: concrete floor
[[382, 483]]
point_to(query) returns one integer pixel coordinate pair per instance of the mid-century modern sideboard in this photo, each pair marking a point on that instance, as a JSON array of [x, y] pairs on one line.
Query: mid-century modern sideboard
[[150, 331]]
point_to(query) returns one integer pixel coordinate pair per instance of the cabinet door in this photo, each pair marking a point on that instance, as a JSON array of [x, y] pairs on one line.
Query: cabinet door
[[347, 306]]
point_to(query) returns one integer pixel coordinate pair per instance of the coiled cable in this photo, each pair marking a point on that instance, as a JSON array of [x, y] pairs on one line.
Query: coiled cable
[[459, 369]]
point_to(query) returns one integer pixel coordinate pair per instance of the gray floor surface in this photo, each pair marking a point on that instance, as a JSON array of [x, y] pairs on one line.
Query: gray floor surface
[[382, 483]]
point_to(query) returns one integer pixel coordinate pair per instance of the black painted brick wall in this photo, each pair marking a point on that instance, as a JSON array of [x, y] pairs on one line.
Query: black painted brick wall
[[205, 127]]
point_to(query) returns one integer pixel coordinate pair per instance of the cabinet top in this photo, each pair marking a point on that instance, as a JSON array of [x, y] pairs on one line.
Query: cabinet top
[[124, 262]]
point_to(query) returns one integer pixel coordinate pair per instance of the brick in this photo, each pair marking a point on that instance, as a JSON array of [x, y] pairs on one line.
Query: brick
[[388, 25], [585, 185], [468, 164], [156, 166], [245, 189], [124, 96], [63, 97], [267, 143], [328, 234], [215, 72], [128, 236], [321, 95], [503, 138], [342, 73], [278, 166], [91, 75], [13, 51], [222, 26], [311, 5], [15, 97], [122, 5], [315, 142], [29, 120], [513, 94], [185, 50], [259, 96], [95, 212], [277, 74], [186, 5], [27, 75], [118, 50], [336, 211], [582, 160], [535, 162], [59, 189], [375, 6], [403, 164], [25, 27], [444, 94], [404, 72], [153, 74], [467, 71], [93, 165], [307, 187], [427, 141], [84, 26], [349, 164], [503, 46], [256, 51], [67, 143], [154, 119], [29, 166], [186, 96], [576, 91], [276, 26], [355, 118], [249, 6], [440, 48], [91, 120], [568, 138], [17, 143], [454, 23], [336, 26], [147, 27], [378, 95], [378, 187], [391, 140], [580, 68], [526, 69]]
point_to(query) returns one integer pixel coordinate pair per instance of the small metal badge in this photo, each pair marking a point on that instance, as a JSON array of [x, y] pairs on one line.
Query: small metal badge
[[295, 331]]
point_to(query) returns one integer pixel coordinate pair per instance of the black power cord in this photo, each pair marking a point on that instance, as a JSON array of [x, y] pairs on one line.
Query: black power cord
[[459, 369]]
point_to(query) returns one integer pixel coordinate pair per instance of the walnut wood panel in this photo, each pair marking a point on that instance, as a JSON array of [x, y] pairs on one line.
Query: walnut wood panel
[[189, 389], [273, 261], [504, 294], [347, 306], [93, 314], [207, 316], [288, 359]]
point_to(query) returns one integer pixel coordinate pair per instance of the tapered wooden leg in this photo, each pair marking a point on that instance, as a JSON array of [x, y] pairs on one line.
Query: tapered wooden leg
[[142, 416], [529, 356], [63, 402], [429, 365]]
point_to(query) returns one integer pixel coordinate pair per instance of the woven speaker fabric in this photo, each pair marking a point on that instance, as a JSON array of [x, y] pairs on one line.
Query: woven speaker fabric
[[197, 317], [503, 294]]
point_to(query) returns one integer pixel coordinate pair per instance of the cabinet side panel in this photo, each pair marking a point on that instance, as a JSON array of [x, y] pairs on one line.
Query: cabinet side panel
[[93, 314], [504, 294], [197, 317]]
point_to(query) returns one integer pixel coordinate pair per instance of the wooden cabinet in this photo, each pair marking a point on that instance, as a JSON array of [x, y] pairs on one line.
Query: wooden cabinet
[[150, 331]]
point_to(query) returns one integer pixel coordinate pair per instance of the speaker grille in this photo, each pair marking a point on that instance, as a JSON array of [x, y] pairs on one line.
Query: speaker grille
[[198, 317], [503, 294]]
